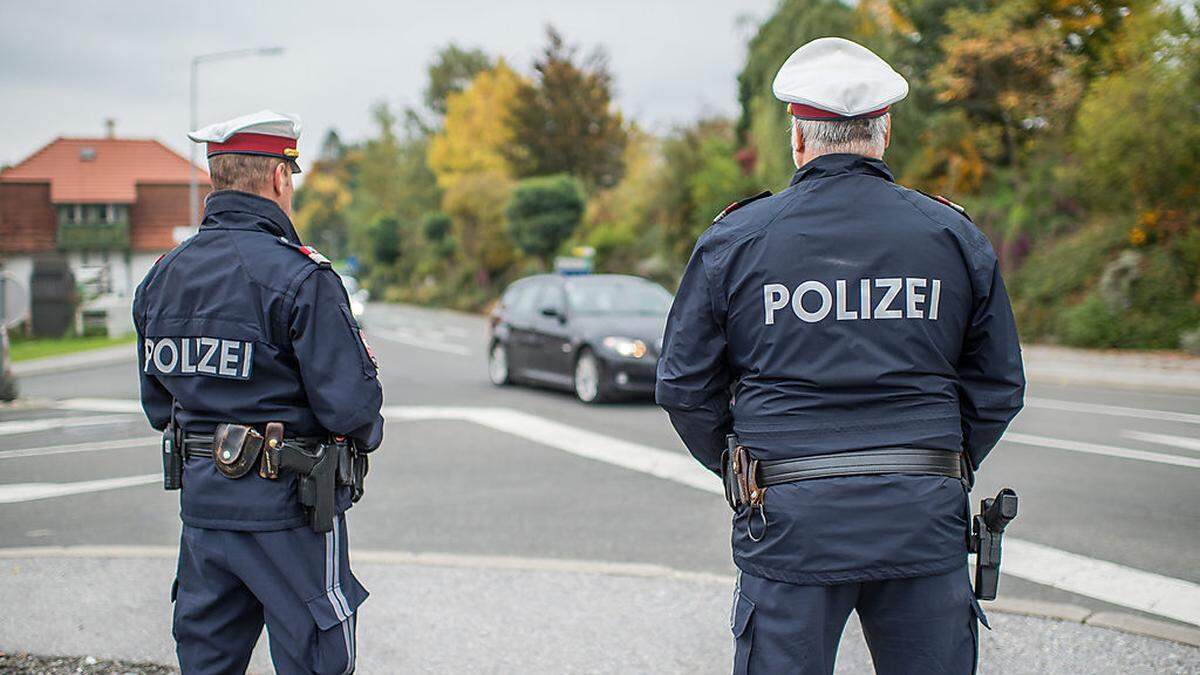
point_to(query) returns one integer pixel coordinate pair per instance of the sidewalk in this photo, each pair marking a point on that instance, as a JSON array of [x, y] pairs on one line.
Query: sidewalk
[[455, 614], [1172, 371]]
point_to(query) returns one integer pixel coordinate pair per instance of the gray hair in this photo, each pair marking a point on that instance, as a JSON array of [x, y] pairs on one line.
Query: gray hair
[[866, 136]]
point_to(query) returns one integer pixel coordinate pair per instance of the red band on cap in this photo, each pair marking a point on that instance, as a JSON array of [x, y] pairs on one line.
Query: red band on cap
[[262, 144], [808, 112]]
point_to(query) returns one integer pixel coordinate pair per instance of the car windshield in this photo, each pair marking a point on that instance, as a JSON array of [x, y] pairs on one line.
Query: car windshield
[[617, 296]]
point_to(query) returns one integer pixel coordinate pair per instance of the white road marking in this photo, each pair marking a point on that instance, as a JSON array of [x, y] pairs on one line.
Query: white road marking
[[1117, 584], [1164, 439], [424, 342], [1120, 411], [116, 444], [654, 461], [1165, 596], [111, 405], [46, 424], [1097, 449], [13, 493]]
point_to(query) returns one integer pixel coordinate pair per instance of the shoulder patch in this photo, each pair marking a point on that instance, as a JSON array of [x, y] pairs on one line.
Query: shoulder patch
[[947, 202], [739, 204], [310, 252]]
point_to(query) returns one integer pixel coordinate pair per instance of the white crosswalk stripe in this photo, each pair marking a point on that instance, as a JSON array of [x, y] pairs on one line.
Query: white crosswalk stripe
[[51, 423], [1165, 439], [1098, 449]]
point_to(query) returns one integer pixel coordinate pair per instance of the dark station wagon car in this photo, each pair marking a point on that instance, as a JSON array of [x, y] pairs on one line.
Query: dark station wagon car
[[597, 335]]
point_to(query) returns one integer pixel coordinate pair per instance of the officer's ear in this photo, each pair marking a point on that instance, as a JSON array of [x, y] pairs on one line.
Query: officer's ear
[[797, 144], [281, 179], [887, 134]]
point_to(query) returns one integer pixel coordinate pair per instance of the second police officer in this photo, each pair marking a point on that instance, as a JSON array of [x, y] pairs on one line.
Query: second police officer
[[253, 364], [856, 340]]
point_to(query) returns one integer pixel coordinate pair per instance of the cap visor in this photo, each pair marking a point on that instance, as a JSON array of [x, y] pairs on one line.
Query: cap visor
[[294, 166]]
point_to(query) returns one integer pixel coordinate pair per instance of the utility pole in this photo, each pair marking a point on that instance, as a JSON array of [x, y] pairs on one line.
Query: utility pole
[[193, 187]]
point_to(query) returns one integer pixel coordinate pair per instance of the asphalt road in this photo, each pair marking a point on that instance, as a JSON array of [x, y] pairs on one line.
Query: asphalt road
[[1095, 470]]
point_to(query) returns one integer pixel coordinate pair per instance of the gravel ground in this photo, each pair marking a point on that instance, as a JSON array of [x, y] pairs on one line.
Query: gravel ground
[[29, 664]]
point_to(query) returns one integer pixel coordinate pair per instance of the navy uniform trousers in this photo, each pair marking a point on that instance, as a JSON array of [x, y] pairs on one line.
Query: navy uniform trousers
[[913, 626], [296, 581]]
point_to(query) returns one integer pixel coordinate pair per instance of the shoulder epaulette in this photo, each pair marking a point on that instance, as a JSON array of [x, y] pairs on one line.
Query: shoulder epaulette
[[947, 202], [739, 204], [310, 252]]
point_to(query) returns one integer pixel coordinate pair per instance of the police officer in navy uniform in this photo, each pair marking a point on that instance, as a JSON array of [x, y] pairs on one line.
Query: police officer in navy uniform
[[242, 324], [855, 341]]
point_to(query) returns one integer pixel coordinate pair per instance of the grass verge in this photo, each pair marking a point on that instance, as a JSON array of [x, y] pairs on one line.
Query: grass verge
[[23, 349]]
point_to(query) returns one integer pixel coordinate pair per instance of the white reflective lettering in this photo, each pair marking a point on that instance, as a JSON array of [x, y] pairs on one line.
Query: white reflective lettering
[[186, 366], [228, 362], [159, 348], [893, 286], [843, 314], [798, 301], [775, 296], [864, 297], [206, 365], [246, 356], [912, 298], [147, 355], [935, 296]]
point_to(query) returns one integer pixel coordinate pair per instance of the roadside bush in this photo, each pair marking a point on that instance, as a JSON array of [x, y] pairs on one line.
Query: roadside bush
[[543, 212]]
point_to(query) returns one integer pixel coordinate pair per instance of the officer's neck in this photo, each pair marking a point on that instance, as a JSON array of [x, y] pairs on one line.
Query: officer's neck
[[803, 156]]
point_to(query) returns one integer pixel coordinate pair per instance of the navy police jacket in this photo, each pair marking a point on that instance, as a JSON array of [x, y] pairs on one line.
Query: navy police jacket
[[240, 324], [845, 313]]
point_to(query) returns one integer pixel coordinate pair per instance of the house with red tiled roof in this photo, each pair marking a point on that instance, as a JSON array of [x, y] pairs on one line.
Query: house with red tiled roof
[[110, 206]]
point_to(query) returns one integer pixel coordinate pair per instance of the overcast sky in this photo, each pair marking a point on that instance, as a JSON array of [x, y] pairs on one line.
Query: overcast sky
[[66, 66]]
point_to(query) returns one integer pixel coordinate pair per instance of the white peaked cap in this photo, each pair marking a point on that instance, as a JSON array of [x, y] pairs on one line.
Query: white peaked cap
[[265, 122], [832, 78], [265, 133]]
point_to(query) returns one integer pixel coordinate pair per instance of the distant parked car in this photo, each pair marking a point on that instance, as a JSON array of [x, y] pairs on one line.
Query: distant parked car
[[597, 335], [358, 296]]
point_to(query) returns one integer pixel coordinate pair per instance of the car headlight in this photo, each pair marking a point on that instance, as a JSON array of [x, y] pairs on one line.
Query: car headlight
[[627, 347]]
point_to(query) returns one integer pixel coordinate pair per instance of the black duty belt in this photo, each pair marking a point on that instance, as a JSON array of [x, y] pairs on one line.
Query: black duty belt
[[746, 479], [860, 463], [201, 445]]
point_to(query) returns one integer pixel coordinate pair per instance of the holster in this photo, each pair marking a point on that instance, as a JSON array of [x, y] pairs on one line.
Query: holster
[[317, 471], [987, 535]]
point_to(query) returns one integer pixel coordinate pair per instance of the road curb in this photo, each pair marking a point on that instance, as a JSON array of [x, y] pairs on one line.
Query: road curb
[[1119, 621]]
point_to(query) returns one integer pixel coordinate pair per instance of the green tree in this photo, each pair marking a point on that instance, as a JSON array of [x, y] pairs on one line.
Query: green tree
[[763, 126], [543, 212], [564, 122], [385, 239], [452, 69], [320, 210], [476, 129]]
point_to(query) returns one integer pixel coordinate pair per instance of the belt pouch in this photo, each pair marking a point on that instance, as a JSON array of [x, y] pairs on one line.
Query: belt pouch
[[235, 449]]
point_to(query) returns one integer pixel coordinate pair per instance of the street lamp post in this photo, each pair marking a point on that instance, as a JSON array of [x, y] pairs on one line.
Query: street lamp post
[[193, 189]]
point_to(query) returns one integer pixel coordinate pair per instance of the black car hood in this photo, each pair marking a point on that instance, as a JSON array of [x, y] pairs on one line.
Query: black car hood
[[648, 329]]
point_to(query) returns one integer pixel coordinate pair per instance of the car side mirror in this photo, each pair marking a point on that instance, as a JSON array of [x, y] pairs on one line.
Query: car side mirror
[[553, 313]]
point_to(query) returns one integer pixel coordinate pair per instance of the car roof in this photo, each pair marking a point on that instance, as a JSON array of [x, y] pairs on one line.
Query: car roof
[[584, 278]]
